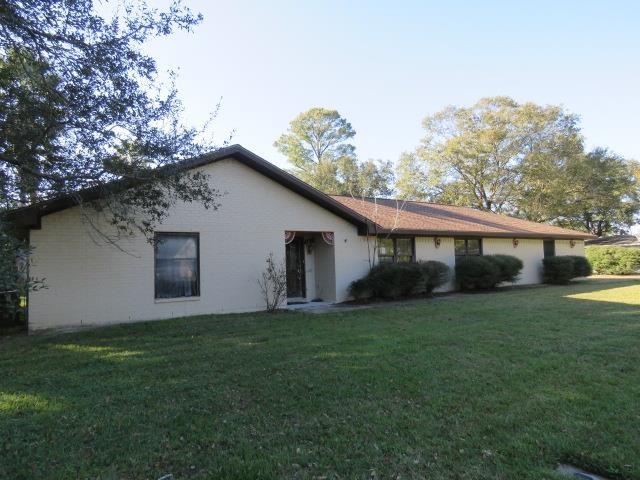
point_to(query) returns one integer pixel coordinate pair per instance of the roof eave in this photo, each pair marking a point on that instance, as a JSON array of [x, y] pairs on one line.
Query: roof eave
[[468, 234]]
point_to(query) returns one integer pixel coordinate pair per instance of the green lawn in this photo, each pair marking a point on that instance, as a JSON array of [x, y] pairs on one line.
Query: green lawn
[[501, 385]]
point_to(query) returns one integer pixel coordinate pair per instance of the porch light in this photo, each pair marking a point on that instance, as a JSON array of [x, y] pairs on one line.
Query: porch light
[[515, 243], [572, 243], [437, 241]]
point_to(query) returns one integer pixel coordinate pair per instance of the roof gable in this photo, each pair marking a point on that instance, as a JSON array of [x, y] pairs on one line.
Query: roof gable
[[29, 217]]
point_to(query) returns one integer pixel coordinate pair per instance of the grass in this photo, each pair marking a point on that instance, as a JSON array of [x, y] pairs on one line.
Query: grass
[[498, 386]]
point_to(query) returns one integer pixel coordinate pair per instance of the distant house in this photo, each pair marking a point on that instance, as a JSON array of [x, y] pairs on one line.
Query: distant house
[[631, 241], [209, 261]]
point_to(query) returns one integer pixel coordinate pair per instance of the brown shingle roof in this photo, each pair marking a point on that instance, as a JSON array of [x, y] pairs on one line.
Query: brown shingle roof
[[421, 218]]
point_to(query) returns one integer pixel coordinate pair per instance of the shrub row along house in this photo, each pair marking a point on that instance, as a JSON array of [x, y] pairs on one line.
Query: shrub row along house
[[207, 261]]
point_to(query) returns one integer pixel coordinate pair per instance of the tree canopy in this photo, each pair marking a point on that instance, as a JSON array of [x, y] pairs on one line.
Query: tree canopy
[[601, 194], [318, 146], [82, 105], [522, 159], [479, 155]]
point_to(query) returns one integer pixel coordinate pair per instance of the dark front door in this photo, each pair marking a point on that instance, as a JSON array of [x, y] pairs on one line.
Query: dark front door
[[295, 268]]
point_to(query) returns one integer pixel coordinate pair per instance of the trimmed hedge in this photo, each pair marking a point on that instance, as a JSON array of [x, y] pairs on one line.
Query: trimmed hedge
[[561, 270], [400, 280], [581, 266], [434, 275], [614, 260], [487, 271], [510, 267], [477, 273]]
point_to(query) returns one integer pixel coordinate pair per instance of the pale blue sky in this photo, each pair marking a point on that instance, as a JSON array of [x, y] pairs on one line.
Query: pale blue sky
[[386, 65]]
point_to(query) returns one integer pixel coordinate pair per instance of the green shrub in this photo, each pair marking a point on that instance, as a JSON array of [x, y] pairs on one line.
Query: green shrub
[[360, 290], [581, 266], [477, 273], [394, 280], [510, 267], [614, 260], [398, 280], [558, 270], [434, 275]]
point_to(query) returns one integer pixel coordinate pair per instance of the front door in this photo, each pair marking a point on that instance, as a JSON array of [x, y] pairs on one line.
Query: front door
[[295, 269]]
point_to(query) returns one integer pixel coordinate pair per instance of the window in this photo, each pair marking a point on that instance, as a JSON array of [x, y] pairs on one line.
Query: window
[[395, 250], [466, 247], [549, 248], [404, 250], [385, 250], [177, 265]]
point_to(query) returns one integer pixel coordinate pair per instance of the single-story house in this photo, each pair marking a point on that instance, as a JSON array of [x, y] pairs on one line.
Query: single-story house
[[209, 261]]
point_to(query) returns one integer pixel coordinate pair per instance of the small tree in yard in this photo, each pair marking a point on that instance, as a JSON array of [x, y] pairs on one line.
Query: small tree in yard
[[273, 283]]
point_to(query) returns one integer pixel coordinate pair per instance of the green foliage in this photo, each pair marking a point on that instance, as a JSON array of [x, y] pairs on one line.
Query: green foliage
[[521, 159], [510, 266], [412, 180], [434, 274], [400, 280], [601, 193], [614, 260], [371, 178], [581, 266], [562, 269], [559, 270], [81, 105], [31, 115], [15, 281], [477, 273], [318, 146], [394, 280], [361, 289], [481, 155]]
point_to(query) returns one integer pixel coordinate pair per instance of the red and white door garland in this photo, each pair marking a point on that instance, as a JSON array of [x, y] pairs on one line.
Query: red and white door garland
[[289, 236], [328, 237]]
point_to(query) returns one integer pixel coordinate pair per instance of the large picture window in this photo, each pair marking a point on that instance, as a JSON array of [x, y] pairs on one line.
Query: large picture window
[[467, 247], [395, 250], [177, 265]]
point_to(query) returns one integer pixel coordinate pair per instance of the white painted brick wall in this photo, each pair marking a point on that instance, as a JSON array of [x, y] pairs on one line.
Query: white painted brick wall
[[445, 253], [91, 284], [530, 251], [563, 247]]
